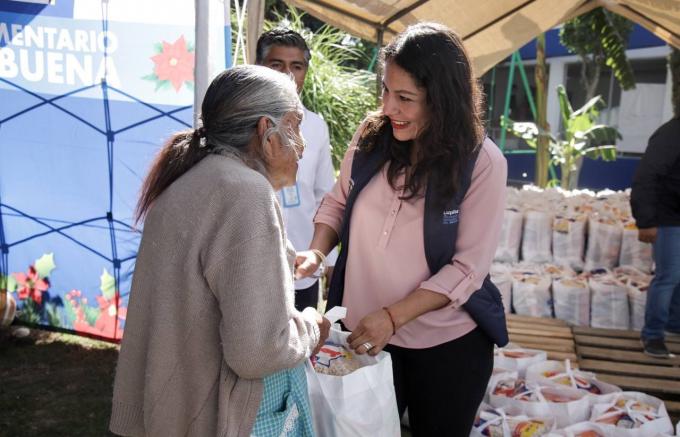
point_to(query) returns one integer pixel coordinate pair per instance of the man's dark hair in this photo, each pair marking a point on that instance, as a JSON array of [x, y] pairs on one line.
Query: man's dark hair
[[282, 37]]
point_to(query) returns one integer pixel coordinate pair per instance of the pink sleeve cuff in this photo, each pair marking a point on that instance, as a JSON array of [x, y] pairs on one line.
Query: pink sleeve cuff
[[454, 283]]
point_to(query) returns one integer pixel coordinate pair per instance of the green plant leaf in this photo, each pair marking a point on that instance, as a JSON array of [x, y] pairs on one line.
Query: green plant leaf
[[158, 48], [565, 106], [591, 105], [151, 77], [108, 285], [45, 264]]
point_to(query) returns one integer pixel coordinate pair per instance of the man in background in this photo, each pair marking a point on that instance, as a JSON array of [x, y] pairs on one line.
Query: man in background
[[286, 51], [655, 200]]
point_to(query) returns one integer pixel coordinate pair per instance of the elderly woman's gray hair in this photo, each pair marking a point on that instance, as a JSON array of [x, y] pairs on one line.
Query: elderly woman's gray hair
[[233, 104]]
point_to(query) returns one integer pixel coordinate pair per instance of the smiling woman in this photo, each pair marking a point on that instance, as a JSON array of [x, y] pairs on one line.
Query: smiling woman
[[418, 210]]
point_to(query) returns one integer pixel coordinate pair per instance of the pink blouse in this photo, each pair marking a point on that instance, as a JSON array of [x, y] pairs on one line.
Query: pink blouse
[[386, 260]]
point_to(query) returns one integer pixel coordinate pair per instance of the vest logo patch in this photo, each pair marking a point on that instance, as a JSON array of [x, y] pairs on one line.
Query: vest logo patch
[[450, 217]]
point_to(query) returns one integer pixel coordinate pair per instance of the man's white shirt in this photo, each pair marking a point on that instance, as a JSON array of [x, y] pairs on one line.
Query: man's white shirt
[[315, 178]]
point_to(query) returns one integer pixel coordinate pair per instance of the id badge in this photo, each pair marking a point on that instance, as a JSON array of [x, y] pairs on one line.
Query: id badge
[[291, 196]]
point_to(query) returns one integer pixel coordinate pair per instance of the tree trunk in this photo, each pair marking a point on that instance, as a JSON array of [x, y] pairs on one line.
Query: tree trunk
[[542, 152]]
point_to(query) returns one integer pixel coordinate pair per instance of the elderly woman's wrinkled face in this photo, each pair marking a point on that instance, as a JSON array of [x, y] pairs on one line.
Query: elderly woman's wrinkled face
[[285, 150]]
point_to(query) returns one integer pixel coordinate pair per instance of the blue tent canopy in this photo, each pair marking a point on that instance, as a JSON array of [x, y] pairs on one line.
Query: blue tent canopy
[[87, 96]]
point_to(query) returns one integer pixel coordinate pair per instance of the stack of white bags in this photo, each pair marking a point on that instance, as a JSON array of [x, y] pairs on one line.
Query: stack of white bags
[[559, 233], [531, 397]]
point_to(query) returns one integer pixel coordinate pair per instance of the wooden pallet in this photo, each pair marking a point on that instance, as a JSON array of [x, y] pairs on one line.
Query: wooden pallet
[[551, 335], [616, 357]]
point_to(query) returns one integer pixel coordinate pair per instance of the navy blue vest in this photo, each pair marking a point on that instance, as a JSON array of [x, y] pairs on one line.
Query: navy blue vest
[[440, 227]]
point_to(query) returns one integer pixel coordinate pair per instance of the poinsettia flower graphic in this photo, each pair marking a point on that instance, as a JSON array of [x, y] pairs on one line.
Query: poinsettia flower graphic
[[31, 285], [174, 63], [108, 322]]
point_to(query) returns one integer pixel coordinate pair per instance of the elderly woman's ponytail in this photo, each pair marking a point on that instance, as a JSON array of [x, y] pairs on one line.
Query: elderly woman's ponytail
[[180, 153], [234, 103]]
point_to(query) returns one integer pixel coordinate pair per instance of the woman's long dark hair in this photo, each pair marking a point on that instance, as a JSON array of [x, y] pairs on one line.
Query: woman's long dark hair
[[233, 104], [435, 58]]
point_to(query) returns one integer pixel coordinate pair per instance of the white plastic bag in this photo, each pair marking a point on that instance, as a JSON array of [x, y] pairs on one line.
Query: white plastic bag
[[361, 403], [518, 359], [635, 253], [565, 405], [537, 237], [500, 276], [582, 429], [604, 243], [511, 237], [645, 413], [561, 374], [571, 300], [498, 374], [499, 422], [531, 295], [637, 297], [569, 241], [609, 303]]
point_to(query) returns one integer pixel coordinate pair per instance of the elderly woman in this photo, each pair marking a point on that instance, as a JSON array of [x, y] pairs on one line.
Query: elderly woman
[[213, 344]]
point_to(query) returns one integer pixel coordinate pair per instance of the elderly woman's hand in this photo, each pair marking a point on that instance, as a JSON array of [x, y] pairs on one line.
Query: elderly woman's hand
[[307, 263], [324, 330], [372, 333]]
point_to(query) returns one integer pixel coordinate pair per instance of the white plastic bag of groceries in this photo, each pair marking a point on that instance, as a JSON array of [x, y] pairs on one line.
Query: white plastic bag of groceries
[[569, 240], [511, 237], [635, 253], [604, 243], [361, 403], [537, 237], [632, 414]]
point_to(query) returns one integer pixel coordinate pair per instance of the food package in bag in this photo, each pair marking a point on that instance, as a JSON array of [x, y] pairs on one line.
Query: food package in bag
[[492, 422], [557, 271], [561, 373], [511, 237], [497, 374], [582, 429], [609, 307], [569, 241], [515, 358], [634, 252], [531, 294], [566, 405], [604, 243], [637, 284], [362, 402], [537, 237], [501, 277], [632, 414], [571, 300]]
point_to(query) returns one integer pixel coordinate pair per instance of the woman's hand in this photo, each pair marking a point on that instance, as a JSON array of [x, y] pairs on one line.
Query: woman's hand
[[374, 330], [306, 264], [324, 330]]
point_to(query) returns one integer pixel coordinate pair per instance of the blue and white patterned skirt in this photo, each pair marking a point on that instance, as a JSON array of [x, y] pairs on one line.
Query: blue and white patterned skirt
[[284, 410]]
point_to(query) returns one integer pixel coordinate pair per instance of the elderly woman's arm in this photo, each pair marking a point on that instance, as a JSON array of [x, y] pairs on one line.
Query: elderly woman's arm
[[261, 331]]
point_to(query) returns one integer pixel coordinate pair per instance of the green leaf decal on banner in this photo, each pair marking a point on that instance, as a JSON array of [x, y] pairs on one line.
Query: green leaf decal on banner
[[44, 265]]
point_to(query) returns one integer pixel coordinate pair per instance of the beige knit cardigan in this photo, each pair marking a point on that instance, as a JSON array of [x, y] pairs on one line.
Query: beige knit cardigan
[[211, 308]]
